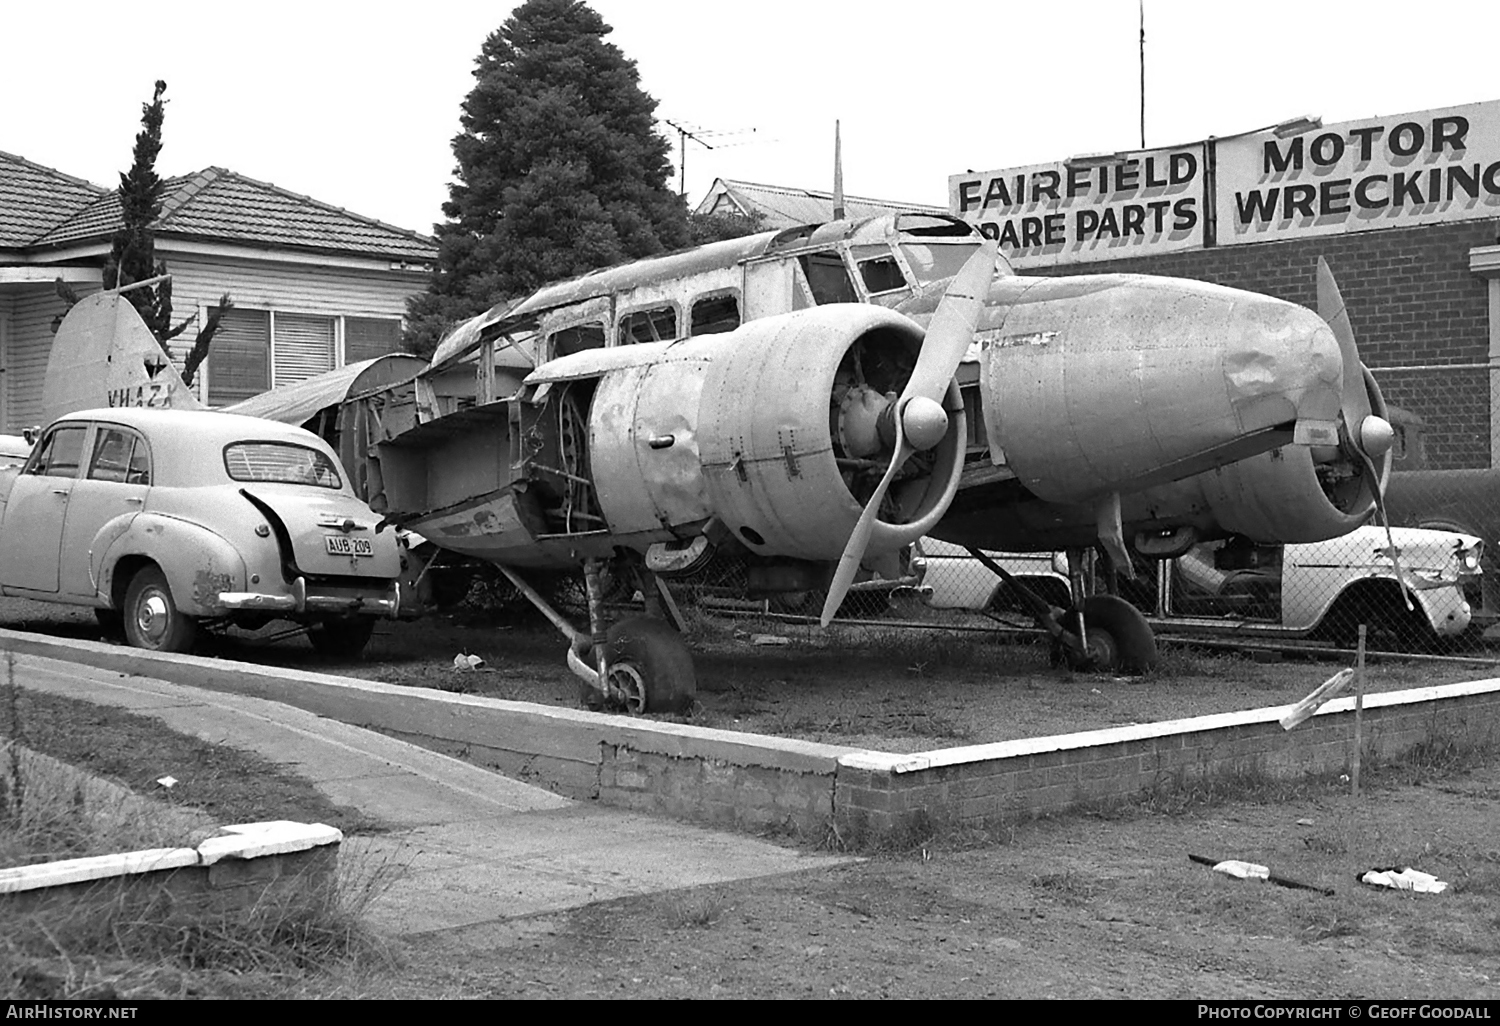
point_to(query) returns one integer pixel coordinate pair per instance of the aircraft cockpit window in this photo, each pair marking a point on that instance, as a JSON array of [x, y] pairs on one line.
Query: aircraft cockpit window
[[934, 263], [828, 278], [658, 324], [714, 314], [881, 275], [577, 338]]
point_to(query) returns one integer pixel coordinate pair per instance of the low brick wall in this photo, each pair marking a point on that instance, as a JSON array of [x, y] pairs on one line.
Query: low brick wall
[[981, 785], [752, 781], [250, 865]]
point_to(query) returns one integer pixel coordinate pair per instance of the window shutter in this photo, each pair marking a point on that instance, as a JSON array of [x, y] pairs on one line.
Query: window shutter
[[367, 337], [239, 360], [304, 347]]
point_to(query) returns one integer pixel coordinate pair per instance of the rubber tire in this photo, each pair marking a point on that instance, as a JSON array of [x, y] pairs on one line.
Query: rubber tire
[[341, 639], [657, 653], [1126, 643], [180, 631]]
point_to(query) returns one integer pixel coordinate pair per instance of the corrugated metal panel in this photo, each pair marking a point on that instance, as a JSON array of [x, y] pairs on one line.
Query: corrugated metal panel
[[302, 348]]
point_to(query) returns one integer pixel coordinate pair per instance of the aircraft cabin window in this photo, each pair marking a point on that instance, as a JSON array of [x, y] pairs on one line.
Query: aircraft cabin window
[[658, 324], [576, 339], [60, 453], [934, 263], [828, 278], [714, 314], [881, 275]]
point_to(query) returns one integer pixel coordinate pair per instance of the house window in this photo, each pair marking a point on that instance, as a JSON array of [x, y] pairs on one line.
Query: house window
[[365, 338], [301, 347], [256, 350], [239, 360]]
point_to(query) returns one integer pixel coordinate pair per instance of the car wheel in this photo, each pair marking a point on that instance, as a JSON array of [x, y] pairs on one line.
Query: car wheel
[[650, 665], [152, 619], [341, 639]]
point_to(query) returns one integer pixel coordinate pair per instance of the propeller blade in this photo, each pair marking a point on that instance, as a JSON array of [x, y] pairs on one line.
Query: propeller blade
[[854, 551], [1385, 522], [952, 327], [1331, 308], [947, 340]]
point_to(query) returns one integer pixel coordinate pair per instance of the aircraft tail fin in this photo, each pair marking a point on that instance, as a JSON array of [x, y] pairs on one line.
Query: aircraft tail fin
[[104, 355]]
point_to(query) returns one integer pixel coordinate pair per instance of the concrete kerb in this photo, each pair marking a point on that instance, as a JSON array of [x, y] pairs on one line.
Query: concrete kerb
[[757, 781]]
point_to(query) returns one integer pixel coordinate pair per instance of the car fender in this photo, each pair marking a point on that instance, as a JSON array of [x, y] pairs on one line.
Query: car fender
[[197, 562]]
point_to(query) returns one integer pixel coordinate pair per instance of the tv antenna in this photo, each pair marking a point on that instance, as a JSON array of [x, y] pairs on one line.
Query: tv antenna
[[700, 136]]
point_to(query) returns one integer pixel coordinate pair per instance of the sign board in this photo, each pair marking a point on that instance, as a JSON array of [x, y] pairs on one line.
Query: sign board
[[1388, 172], [1142, 204]]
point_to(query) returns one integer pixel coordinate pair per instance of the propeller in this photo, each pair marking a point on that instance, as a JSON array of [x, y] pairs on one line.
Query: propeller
[[1367, 435], [920, 421]]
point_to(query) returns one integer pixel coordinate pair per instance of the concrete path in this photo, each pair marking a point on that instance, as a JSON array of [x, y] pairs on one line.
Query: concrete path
[[468, 846]]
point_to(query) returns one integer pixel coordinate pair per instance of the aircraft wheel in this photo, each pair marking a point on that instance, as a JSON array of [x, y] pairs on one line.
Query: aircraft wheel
[[341, 639], [152, 619], [650, 664], [1119, 638]]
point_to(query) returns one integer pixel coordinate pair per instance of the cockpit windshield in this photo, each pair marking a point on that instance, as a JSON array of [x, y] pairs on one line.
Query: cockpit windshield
[[932, 263]]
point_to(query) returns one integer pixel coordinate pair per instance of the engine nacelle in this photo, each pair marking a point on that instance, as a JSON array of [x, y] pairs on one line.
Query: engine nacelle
[[768, 431]]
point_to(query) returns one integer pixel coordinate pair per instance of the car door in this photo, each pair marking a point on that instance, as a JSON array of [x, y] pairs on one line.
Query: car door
[[38, 506], [112, 489]]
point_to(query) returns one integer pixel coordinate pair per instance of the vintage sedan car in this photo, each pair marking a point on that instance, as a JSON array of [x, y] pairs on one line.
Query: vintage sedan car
[[162, 520], [1323, 589]]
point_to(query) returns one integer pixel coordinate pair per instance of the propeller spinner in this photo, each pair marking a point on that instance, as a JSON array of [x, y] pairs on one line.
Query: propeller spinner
[[920, 421]]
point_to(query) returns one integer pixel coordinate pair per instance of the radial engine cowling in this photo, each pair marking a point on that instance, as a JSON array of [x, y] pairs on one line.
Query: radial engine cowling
[[1298, 493], [794, 428]]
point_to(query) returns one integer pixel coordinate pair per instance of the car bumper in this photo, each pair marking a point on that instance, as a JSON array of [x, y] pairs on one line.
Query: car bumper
[[301, 601]]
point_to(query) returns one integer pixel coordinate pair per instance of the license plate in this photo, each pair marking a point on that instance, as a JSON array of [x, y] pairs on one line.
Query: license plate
[[343, 545]]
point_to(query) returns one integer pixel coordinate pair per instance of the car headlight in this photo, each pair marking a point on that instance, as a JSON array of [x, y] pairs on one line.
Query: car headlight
[[1470, 557]]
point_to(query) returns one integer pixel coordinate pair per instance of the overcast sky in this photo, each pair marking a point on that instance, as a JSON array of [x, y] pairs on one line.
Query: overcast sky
[[356, 103]]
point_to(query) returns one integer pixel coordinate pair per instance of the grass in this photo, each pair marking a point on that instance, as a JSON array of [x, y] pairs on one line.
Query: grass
[[127, 942]]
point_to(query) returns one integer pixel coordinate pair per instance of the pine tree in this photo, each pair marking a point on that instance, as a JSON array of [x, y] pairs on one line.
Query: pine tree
[[560, 169], [132, 256]]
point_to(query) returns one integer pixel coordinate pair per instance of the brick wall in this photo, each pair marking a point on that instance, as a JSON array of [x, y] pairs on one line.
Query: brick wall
[[1412, 300]]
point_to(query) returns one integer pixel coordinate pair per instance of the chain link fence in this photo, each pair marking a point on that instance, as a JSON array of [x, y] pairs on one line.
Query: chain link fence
[[1436, 589]]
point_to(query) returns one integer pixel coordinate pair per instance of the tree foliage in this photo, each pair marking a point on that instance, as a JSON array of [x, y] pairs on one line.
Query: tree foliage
[[560, 169], [132, 254]]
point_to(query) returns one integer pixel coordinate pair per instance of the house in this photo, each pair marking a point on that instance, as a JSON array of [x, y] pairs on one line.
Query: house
[[314, 286], [785, 207]]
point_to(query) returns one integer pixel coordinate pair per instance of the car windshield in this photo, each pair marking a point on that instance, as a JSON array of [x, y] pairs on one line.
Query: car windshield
[[282, 462]]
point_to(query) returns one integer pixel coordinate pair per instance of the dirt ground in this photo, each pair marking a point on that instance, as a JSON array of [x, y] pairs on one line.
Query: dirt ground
[[892, 690], [1090, 905]]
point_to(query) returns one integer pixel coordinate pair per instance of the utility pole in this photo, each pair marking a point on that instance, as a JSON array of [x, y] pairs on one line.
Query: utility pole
[[1143, 73]]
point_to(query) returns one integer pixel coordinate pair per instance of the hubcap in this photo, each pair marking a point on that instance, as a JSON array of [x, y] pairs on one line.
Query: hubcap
[[152, 616]]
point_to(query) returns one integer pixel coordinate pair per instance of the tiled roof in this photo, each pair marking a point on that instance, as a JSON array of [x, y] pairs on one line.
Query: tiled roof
[[221, 206], [783, 207], [34, 198]]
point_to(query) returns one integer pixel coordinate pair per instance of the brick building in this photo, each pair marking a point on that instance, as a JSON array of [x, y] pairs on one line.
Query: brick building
[[1406, 210]]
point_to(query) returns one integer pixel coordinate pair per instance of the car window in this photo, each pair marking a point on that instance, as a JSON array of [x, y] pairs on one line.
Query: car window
[[281, 462], [60, 452], [120, 455]]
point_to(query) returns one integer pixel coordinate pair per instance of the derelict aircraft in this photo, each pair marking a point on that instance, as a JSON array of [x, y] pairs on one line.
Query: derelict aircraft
[[813, 400]]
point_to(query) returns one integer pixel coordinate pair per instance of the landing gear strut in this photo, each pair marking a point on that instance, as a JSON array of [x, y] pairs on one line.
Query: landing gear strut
[[639, 665], [1102, 633]]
